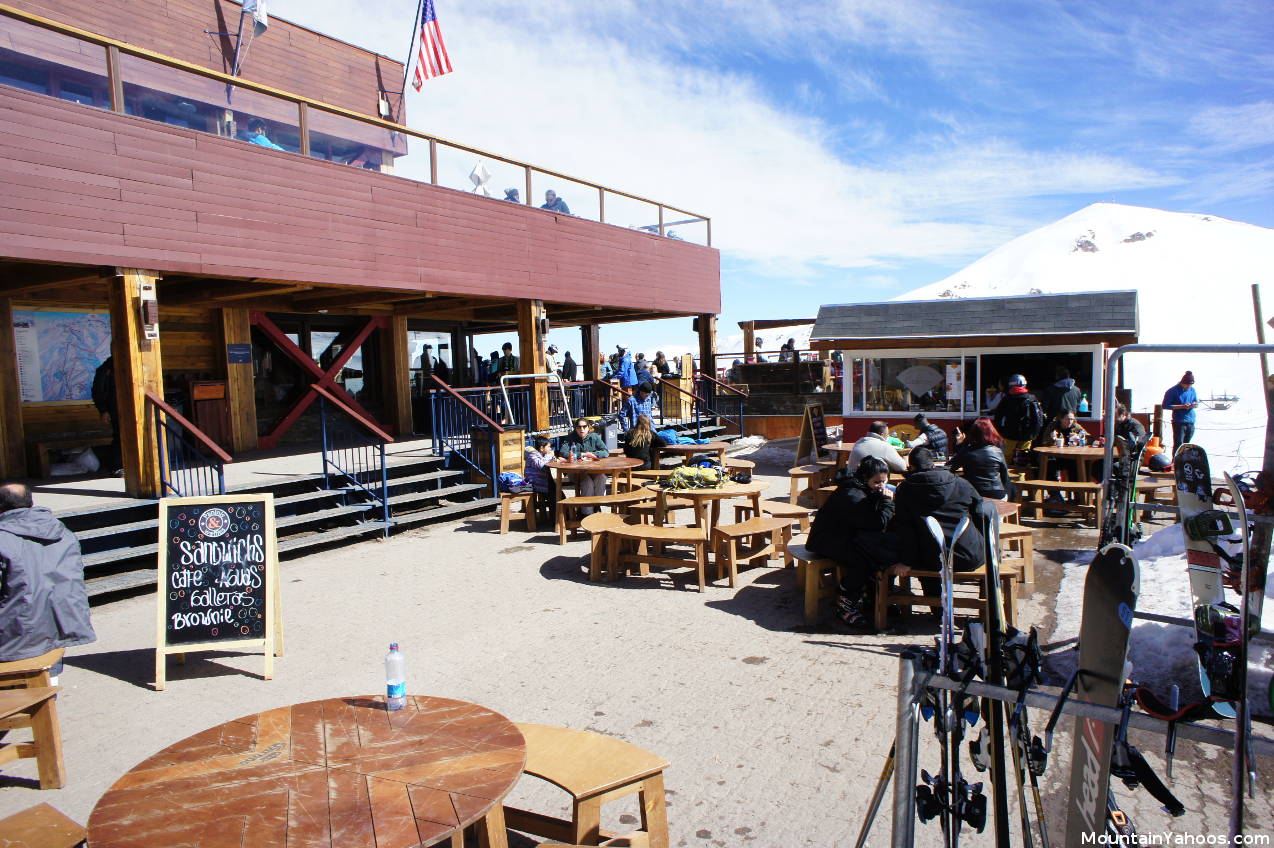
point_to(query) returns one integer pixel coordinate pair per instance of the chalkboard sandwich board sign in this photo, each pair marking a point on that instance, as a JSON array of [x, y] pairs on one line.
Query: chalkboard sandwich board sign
[[813, 433], [218, 578]]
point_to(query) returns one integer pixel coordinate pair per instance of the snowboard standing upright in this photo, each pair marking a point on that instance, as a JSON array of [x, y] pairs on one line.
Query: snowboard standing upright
[[1205, 565], [1110, 598]]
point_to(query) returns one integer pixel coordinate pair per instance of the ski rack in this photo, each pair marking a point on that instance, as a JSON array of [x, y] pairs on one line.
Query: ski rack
[[914, 679]]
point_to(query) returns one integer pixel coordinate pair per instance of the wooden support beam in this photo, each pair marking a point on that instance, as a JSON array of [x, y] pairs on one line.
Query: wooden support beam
[[396, 366], [240, 384], [749, 340], [138, 369], [21, 279], [435, 305], [590, 345], [708, 345], [531, 357], [368, 297], [13, 454], [213, 291]]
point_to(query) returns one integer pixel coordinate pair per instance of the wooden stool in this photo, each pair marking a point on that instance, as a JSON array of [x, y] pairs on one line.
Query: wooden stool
[[507, 500], [593, 769], [1021, 539], [813, 569], [596, 525], [726, 539], [886, 597], [812, 475], [802, 515], [734, 464], [619, 502], [41, 826], [30, 672], [34, 707]]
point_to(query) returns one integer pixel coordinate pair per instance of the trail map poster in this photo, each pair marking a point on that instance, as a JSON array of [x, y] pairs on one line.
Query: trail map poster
[[58, 352]]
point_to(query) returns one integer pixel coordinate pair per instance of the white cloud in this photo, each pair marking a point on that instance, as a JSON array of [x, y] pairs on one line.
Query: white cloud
[[1237, 127]]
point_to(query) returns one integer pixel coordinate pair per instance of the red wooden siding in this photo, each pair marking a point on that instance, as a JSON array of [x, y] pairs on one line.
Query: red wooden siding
[[86, 186], [286, 56]]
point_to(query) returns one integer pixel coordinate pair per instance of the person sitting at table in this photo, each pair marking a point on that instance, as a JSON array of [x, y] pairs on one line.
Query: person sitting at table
[[583, 443], [640, 402], [1126, 426], [536, 472], [936, 492], [981, 457], [876, 443], [1066, 428], [642, 442], [853, 529], [929, 436]]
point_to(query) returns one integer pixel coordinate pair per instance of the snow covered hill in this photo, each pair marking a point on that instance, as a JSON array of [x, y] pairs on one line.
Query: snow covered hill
[[1193, 274]]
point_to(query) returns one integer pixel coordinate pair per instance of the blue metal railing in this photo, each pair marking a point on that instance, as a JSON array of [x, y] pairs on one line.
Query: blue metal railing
[[720, 400], [190, 463], [456, 413], [580, 399], [354, 456]]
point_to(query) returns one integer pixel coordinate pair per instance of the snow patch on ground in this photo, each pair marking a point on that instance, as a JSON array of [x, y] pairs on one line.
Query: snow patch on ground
[[1161, 654]]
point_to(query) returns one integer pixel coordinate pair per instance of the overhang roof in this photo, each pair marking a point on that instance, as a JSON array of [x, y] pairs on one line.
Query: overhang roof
[[980, 320]]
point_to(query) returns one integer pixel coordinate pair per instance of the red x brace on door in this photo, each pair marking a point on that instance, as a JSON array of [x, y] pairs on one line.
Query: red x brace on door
[[326, 379]]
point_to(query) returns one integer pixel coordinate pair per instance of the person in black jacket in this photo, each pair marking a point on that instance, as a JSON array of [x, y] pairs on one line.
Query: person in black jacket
[[642, 442], [1018, 418], [936, 492], [1063, 395], [853, 529], [107, 405], [981, 457], [930, 436]]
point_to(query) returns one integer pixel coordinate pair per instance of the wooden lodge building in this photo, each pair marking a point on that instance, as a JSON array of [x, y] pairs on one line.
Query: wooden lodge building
[[244, 244]]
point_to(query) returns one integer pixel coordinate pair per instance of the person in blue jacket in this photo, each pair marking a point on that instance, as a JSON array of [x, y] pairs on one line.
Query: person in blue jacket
[[626, 373], [1182, 400], [257, 134]]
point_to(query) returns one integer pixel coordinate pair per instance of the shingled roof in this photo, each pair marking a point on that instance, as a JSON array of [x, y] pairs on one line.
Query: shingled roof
[[1080, 313]]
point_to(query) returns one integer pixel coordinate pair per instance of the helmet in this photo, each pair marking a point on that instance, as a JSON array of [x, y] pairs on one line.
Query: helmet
[[1017, 380], [1160, 462]]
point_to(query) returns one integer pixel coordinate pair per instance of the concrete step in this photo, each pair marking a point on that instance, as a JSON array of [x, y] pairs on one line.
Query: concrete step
[[122, 582], [445, 511], [322, 515], [396, 501], [335, 534]]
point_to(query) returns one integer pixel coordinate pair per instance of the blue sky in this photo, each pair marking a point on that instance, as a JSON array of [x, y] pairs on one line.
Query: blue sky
[[852, 151]]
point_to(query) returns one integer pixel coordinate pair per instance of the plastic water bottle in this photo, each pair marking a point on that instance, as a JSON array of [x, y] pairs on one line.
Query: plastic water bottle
[[1083, 403], [395, 678]]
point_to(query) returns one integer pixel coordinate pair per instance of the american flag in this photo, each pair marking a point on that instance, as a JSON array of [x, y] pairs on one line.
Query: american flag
[[431, 59]]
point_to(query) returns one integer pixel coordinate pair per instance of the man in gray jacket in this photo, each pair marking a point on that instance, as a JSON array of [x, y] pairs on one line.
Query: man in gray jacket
[[876, 443], [43, 603]]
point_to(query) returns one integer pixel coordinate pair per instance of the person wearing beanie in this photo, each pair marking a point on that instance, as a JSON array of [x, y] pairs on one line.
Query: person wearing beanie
[[1183, 401]]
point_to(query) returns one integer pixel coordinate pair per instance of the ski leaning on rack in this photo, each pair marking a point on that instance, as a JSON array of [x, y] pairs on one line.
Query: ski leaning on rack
[[1119, 517], [1110, 598], [1216, 623]]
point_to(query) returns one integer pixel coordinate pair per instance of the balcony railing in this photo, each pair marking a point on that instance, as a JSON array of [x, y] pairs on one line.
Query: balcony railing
[[190, 463], [66, 62]]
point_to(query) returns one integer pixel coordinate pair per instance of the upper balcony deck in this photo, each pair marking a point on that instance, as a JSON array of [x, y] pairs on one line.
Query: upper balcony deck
[[113, 155]]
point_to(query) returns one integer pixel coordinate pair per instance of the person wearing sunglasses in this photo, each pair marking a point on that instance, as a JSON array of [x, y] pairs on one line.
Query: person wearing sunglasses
[[582, 444]]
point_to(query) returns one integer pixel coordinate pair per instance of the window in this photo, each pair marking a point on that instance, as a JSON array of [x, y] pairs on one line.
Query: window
[[1040, 370], [913, 384]]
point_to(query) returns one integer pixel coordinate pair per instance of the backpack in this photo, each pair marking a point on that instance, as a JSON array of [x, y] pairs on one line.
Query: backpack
[[693, 477], [508, 481], [1027, 420]]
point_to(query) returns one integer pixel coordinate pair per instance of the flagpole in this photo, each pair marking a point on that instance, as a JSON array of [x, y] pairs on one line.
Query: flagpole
[[234, 66], [411, 51]]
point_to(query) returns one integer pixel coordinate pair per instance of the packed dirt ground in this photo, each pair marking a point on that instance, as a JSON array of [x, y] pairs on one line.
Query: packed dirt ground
[[776, 732]]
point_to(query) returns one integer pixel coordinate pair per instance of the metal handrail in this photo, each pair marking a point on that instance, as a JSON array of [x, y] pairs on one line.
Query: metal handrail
[[554, 379], [704, 375], [303, 102], [170, 426], [478, 412], [367, 423]]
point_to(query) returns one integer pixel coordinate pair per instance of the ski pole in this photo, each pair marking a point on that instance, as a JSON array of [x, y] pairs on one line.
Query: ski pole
[[879, 795], [1174, 702]]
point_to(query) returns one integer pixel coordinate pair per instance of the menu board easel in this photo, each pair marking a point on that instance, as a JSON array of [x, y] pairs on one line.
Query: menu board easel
[[218, 581], [813, 434]]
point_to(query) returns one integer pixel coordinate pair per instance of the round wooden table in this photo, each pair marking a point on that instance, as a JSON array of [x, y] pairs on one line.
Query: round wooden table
[[612, 466], [842, 451], [687, 451], [337, 773], [707, 502], [1085, 457]]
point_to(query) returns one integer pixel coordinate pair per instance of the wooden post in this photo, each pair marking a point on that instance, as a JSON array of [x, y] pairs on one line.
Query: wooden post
[[395, 360], [1260, 332], [531, 360], [749, 340], [1156, 423], [13, 454], [240, 384], [590, 343], [708, 345], [460, 353], [138, 369]]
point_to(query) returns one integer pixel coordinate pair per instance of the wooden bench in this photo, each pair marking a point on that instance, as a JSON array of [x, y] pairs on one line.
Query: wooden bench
[[1091, 492], [803, 515], [30, 672], [34, 707], [812, 475], [648, 512], [887, 597], [812, 577], [527, 500], [619, 502], [767, 539], [1014, 537], [596, 525], [736, 464], [640, 537], [38, 447], [41, 826], [594, 769]]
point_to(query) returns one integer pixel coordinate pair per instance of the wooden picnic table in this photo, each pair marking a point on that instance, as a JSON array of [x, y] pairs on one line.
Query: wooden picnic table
[[707, 502], [1084, 457], [612, 466], [332, 773], [1008, 510], [687, 451]]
